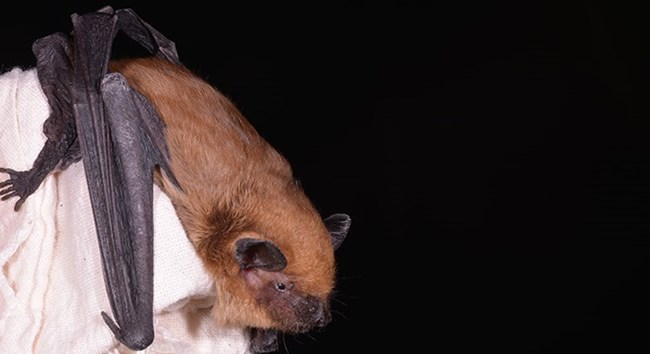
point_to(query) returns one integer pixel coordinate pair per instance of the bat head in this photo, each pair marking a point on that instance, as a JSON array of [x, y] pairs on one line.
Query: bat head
[[280, 276], [290, 305]]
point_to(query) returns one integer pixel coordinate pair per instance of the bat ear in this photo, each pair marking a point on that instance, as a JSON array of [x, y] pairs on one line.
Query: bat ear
[[338, 226], [255, 253]]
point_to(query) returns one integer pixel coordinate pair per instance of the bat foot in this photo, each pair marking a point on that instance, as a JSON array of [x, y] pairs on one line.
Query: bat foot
[[136, 340], [20, 184]]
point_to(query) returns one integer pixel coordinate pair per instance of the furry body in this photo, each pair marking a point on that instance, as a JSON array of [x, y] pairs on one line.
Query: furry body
[[234, 187]]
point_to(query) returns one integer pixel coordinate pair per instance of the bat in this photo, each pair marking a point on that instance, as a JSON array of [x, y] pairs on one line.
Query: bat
[[136, 122]]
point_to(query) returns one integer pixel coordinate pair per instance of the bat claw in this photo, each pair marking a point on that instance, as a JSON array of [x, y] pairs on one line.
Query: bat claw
[[6, 191], [20, 184], [111, 324], [136, 339], [7, 196]]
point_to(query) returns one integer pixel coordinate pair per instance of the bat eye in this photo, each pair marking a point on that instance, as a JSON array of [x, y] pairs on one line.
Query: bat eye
[[283, 286]]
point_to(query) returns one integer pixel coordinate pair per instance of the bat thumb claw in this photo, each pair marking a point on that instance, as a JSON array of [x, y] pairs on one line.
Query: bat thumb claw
[[111, 324], [137, 340]]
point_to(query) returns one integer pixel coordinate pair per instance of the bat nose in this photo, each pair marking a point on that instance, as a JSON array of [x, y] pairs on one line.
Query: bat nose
[[320, 314], [312, 312], [324, 319]]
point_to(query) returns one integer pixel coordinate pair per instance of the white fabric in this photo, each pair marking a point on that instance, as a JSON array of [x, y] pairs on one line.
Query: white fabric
[[51, 285]]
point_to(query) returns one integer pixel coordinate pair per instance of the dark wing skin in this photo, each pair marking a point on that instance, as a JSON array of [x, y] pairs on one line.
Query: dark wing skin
[[122, 140], [98, 118]]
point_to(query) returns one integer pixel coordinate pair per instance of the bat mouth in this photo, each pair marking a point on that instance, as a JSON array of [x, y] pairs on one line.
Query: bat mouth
[[310, 314]]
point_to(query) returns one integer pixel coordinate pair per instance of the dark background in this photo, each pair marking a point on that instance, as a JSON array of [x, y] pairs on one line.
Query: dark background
[[493, 157]]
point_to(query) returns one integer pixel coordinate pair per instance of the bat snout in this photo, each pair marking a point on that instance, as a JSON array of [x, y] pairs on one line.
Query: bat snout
[[324, 318], [315, 313]]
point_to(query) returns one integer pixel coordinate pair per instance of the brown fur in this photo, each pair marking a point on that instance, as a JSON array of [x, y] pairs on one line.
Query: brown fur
[[234, 184]]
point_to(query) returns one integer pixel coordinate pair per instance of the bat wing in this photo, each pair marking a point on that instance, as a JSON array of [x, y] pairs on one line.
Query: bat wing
[[123, 209], [121, 142], [119, 137]]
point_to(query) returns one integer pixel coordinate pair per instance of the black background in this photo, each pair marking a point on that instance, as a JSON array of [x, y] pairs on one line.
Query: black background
[[493, 157]]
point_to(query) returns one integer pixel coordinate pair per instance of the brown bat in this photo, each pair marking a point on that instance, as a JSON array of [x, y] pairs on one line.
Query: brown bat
[[141, 121], [271, 254]]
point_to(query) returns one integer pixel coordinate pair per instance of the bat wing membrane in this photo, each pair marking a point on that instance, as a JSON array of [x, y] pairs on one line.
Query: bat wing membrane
[[121, 141], [98, 118]]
